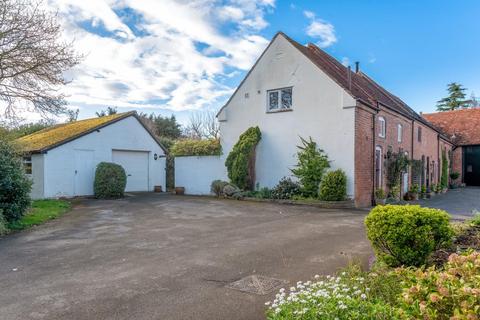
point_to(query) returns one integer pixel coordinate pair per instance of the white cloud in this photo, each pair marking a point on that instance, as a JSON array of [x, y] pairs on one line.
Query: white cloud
[[320, 29], [346, 61], [172, 55]]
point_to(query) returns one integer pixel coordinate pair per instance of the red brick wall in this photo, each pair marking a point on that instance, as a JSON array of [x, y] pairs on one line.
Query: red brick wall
[[363, 156], [457, 163], [430, 146]]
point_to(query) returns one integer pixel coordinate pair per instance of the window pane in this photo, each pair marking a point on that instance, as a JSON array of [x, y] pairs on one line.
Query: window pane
[[273, 100], [286, 98]]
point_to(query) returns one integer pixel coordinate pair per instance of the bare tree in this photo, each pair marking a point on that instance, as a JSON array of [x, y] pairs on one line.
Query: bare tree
[[32, 58], [203, 125]]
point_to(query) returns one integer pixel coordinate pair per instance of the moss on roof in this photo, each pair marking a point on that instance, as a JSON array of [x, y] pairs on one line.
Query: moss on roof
[[49, 137]]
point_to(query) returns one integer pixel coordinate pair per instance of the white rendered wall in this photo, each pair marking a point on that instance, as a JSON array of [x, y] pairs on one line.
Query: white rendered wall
[[321, 110], [126, 134], [197, 173]]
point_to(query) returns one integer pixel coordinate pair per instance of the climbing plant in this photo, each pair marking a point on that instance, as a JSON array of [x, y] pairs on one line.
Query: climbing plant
[[444, 177], [397, 164], [240, 162]]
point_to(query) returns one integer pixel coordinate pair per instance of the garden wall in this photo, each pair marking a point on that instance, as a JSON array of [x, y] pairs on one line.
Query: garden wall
[[196, 173]]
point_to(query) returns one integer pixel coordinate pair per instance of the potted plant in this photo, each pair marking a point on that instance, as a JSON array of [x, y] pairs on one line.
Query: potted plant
[[413, 192], [453, 177], [424, 192], [180, 191], [380, 197]]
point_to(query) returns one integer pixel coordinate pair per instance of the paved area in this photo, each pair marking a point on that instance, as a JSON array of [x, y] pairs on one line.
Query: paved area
[[462, 201], [154, 256]]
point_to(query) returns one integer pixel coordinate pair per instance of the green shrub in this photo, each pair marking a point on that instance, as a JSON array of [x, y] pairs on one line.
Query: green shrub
[[454, 175], [414, 188], [229, 190], [451, 293], [14, 185], [217, 187], [193, 147], [312, 163], [110, 181], [3, 224], [444, 176], [333, 186], [240, 162], [380, 194], [344, 297], [407, 235], [286, 189], [264, 193]]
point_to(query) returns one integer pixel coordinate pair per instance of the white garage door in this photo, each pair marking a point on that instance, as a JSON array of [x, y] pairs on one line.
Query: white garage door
[[135, 164]]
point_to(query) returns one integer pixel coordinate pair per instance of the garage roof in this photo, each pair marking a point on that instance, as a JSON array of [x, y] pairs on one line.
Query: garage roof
[[57, 135]]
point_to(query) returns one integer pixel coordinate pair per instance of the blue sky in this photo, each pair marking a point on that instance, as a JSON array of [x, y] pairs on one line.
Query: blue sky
[[169, 56]]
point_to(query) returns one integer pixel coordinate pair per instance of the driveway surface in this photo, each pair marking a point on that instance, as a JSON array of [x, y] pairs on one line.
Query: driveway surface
[[153, 256], [462, 201]]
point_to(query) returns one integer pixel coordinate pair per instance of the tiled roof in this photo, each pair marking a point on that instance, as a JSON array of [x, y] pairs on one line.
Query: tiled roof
[[51, 137], [461, 126]]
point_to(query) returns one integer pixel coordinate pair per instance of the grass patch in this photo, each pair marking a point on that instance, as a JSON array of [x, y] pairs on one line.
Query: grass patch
[[40, 212]]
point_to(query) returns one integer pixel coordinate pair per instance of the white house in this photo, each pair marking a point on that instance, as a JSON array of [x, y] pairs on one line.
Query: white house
[[289, 97], [61, 160]]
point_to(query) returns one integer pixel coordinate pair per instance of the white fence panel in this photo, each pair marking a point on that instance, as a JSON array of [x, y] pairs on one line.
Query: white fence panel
[[196, 173]]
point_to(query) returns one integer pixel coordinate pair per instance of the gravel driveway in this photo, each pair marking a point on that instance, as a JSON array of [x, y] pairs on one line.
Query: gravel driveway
[[152, 256]]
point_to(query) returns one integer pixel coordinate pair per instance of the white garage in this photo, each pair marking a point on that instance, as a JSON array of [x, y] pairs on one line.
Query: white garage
[[62, 160]]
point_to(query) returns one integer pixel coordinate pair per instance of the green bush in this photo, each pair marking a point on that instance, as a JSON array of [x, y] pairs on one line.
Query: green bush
[[240, 162], [3, 224], [193, 147], [407, 235], [110, 181], [454, 175], [14, 185], [217, 187], [444, 177], [312, 163], [285, 189], [333, 186]]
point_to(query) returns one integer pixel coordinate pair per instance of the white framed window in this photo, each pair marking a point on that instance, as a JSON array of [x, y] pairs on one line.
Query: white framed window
[[382, 127], [378, 167], [27, 165], [399, 133], [279, 99]]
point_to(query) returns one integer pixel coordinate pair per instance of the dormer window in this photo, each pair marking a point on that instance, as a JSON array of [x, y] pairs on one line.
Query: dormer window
[[279, 99], [382, 127]]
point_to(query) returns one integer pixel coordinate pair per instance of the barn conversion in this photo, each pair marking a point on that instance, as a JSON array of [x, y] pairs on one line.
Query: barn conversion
[[61, 160]]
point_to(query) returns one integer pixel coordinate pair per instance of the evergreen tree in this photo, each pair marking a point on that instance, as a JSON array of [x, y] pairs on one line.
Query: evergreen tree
[[456, 98]]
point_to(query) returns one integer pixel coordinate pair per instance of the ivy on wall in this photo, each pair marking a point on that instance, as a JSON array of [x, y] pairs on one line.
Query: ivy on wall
[[444, 178], [240, 162]]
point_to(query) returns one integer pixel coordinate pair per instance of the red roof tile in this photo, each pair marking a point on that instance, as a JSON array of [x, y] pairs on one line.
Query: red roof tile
[[461, 126]]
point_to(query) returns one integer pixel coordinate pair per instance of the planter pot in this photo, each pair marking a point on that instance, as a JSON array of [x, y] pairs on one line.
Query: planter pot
[[444, 190], [423, 196], [180, 191], [157, 189], [414, 196], [380, 201]]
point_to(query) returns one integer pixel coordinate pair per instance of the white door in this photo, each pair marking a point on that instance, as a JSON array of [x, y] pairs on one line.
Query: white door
[[84, 172], [135, 164]]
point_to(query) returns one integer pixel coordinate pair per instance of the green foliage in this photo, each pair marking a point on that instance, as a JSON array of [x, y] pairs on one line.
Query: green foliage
[[407, 235], [110, 181], [396, 164], [454, 175], [193, 147], [451, 293], [285, 189], [107, 112], [167, 143], [217, 187], [14, 185], [166, 127], [240, 162], [414, 188], [456, 98], [27, 128], [475, 221], [444, 177], [347, 296], [333, 186], [3, 224], [312, 164], [41, 211], [380, 194]]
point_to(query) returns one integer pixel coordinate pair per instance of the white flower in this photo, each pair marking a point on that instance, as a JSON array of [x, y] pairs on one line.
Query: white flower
[[282, 290], [292, 289], [317, 276], [344, 273], [277, 310], [267, 303], [363, 296]]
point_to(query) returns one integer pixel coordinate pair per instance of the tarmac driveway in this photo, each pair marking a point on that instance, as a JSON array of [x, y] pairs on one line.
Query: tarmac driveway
[[153, 256]]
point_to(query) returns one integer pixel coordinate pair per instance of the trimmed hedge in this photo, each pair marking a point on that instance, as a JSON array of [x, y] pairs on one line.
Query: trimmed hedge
[[14, 185], [333, 186], [110, 181], [240, 162], [192, 147], [407, 235]]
